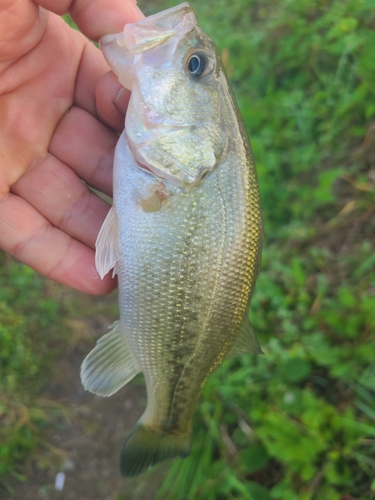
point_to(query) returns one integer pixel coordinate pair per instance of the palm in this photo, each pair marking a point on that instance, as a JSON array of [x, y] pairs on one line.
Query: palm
[[56, 101]]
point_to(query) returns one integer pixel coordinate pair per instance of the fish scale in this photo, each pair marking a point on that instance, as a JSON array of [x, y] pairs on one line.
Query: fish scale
[[184, 233]]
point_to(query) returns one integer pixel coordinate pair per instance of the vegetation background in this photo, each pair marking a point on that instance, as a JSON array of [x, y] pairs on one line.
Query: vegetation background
[[299, 422]]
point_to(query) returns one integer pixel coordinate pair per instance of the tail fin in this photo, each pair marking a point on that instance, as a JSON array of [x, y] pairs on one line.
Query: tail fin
[[144, 447]]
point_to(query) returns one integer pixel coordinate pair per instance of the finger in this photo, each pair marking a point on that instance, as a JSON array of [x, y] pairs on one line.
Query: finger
[[58, 194], [22, 25], [111, 101], [35, 92], [98, 90], [87, 146], [121, 100], [92, 68], [30, 238], [96, 18], [94, 91]]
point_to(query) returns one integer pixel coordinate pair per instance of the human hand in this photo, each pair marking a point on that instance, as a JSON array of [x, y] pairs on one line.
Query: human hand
[[58, 127]]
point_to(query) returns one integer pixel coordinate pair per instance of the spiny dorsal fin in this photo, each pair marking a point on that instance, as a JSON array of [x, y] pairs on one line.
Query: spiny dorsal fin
[[246, 341], [107, 253], [110, 365]]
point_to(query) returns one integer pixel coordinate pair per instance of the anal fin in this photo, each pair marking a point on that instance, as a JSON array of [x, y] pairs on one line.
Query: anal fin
[[110, 365]]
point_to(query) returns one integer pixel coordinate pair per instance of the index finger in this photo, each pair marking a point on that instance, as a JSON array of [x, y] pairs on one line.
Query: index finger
[[96, 18]]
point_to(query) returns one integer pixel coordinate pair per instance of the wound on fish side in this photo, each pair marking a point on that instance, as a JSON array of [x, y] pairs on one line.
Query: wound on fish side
[[154, 202]]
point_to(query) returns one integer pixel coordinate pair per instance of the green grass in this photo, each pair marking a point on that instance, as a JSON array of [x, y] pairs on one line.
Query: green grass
[[28, 326]]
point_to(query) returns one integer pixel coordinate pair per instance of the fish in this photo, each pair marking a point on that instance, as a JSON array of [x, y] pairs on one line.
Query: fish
[[184, 234]]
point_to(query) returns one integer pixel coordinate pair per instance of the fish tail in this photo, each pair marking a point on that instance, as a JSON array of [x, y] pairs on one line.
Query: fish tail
[[145, 447]]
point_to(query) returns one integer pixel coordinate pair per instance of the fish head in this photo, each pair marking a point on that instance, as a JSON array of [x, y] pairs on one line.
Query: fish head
[[177, 121]]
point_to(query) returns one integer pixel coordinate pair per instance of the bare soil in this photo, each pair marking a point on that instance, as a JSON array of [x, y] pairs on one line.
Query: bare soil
[[84, 439]]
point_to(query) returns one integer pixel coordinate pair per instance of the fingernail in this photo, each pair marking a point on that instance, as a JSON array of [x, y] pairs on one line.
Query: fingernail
[[122, 99], [137, 11]]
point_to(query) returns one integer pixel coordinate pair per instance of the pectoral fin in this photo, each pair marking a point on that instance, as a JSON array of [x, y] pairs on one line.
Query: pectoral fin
[[107, 245], [110, 365], [246, 341]]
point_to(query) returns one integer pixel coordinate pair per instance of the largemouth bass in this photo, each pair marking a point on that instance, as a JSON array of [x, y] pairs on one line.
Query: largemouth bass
[[184, 233]]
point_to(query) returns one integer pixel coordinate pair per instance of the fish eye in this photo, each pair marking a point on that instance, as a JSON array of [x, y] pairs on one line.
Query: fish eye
[[196, 64]]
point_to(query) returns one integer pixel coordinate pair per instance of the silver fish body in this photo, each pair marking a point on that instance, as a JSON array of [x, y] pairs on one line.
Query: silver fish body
[[184, 233]]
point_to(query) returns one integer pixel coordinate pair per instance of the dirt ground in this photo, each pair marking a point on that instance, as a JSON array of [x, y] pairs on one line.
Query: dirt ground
[[84, 441]]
